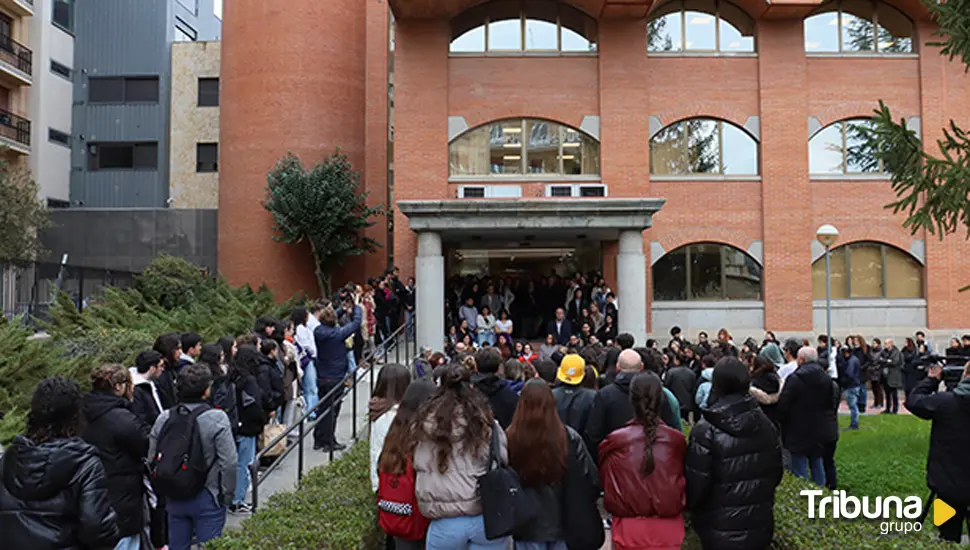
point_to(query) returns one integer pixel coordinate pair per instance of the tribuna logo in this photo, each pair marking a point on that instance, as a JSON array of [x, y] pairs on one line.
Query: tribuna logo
[[840, 505]]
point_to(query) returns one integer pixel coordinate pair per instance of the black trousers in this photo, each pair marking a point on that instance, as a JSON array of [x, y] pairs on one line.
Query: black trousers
[[953, 530], [323, 433], [828, 462]]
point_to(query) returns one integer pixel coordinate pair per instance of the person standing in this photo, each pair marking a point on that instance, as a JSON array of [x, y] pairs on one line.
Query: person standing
[[681, 381], [332, 366], [852, 384], [892, 375], [485, 323], [946, 466], [122, 442], [308, 347], [733, 466], [191, 348], [574, 402], [392, 383], [876, 379], [169, 346], [555, 468], [146, 401], [200, 518], [52, 483], [252, 405], [642, 473], [560, 327], [469, 314], [485, 379]]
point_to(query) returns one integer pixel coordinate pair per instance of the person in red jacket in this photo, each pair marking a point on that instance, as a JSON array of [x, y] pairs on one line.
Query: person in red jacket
[[642, 470]]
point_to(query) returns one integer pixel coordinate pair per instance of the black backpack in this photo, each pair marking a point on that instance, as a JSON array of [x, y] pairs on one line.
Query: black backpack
[[178, 467]]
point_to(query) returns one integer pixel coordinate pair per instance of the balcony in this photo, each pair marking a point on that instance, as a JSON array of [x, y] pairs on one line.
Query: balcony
[[22, 8], [16, 63], [14, 132]]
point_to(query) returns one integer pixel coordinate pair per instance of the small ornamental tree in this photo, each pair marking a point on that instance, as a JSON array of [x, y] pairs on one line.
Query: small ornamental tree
[[22, 215], [932, 189], [324, 208]]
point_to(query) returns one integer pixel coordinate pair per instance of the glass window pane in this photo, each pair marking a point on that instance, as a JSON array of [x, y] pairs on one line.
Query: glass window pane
[[699, 22], [736, 29], [740, 152], [469, 154], [573, 149], [540, 35], [505, 35], [575, 42], [742, 275], [858, 32], [837, 258], [542, 147], [670, 276], [505, 147], [822, 31], [578, 30], [703, 147], [904, 275], [865, 270], [895, 30], [859, 157], [705, 272], [664, 33], [825, 153], [470, 42], [668, 155]]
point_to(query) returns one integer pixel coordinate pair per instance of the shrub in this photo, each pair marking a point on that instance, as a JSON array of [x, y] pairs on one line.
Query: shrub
[[334, 508]]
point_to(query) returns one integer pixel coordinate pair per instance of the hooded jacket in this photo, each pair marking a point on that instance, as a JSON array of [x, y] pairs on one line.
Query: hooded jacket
[[703, 395], [501, 399], [146, 401], [808, 410], [733, 466], [122, 442], [612, 410], [681, 381], [574, 404], [53, 497], [946, 466]]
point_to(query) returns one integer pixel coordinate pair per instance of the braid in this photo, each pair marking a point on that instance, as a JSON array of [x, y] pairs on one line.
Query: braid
[[650, 423], [645, 394]]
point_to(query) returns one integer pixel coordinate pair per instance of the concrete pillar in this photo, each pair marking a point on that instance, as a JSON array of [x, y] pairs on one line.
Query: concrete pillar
[[430, 291], [631, 286]]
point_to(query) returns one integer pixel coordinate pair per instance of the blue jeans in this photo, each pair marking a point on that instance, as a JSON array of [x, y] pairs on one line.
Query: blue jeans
[[310, 387], [853, 396], [524, 545], [200, 519], [461, 532], [246, 452], [351, 362], [129, 543], [800, 465], [409, 321]]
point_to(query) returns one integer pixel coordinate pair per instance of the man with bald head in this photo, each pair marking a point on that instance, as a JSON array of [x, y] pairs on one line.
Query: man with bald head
[[612, 408], [807, 410]]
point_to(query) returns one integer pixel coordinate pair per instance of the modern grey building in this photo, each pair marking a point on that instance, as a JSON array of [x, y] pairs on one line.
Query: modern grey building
[[121, 115]]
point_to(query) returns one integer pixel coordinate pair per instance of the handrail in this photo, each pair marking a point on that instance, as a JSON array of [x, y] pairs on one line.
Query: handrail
[[395, 340], [16, 54], [14, 127]]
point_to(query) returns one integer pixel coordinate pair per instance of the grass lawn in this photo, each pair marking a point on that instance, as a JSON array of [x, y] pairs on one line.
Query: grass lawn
[[886, 456]]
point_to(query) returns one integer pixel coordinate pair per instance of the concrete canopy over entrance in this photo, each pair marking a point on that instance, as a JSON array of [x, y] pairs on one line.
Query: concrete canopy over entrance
[[456, 220]]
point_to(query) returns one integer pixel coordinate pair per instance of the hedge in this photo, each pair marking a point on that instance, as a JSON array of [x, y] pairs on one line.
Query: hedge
[[334, 508]]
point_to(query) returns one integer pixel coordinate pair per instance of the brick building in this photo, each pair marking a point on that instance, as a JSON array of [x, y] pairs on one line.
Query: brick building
[[741, 115]]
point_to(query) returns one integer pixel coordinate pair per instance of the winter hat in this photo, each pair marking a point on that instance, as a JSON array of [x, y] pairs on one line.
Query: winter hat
[[572, 369], [773, 353]]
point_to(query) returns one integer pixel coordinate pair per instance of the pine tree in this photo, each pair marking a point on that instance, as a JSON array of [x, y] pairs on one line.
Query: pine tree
[[22, 215], [324, 208], [932, 189]]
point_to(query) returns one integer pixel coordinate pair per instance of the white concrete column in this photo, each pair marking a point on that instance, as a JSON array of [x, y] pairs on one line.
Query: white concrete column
[[631, 283], [430, 291]]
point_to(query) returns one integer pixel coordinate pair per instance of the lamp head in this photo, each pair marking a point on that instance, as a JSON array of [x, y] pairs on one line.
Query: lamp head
[[827, 235]]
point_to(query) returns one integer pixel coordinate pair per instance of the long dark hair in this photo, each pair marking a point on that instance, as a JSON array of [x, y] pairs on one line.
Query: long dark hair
[[537, 438], [246, 361], [211, 353], [456, 399], [646, 393], [392, 382], [399, 443], [169, 345], [55, 411], [762, 365]]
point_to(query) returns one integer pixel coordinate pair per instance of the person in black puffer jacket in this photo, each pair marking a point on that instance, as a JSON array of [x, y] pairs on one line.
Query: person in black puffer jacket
[[501, 399], [733, 466], [122, 441], [253, 406], [766, 387], [53, 493]]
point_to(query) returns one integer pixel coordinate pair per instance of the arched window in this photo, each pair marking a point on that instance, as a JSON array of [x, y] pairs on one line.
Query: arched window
[[703, 146], [869, 270], [524, 146], [840, 148], [700, 26], [706, 272], [863, 26], [511, 26]]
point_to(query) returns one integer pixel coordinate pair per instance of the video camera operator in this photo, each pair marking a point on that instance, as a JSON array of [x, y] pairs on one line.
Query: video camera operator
[[946, 473]]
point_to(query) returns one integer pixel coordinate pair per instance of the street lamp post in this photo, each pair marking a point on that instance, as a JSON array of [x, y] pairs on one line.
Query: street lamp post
[[828, 235]]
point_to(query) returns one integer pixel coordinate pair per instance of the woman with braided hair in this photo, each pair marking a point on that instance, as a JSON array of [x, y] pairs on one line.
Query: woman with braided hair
[[642, 470]]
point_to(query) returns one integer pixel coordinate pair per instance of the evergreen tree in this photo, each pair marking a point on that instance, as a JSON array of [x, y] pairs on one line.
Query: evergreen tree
[[22, 215]]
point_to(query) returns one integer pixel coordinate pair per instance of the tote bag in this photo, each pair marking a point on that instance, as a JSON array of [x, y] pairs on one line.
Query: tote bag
[[505, 506]]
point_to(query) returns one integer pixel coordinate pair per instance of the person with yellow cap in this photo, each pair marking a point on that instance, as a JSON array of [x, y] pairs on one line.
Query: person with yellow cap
[[573, 401]]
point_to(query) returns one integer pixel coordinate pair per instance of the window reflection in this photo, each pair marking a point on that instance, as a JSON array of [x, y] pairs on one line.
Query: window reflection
[[523, 146], [869, 270], [865, 26], [700, 26], [706, 272], [703, 146], [840, 148], [507, 26]]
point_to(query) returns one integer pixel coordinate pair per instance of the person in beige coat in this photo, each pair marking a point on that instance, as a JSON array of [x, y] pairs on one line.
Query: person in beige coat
[[452, 449]]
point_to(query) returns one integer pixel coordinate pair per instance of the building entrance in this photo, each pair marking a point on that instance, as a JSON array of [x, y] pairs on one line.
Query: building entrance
[[531, 263]]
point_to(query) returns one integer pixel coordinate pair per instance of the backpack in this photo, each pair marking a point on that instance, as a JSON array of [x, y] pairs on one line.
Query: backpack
[[178, 468], [222, 396], [397, 505]]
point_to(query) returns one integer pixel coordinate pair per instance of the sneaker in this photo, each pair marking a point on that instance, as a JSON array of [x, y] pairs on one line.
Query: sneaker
[[240, 509]]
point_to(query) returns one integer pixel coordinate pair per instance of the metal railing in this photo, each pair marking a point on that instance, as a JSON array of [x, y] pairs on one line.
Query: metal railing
[[29, 289], [399, 347], [16, 54], [14, 127]]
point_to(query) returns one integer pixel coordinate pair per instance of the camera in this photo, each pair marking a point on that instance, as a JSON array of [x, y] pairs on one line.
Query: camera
[[952, 373]]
